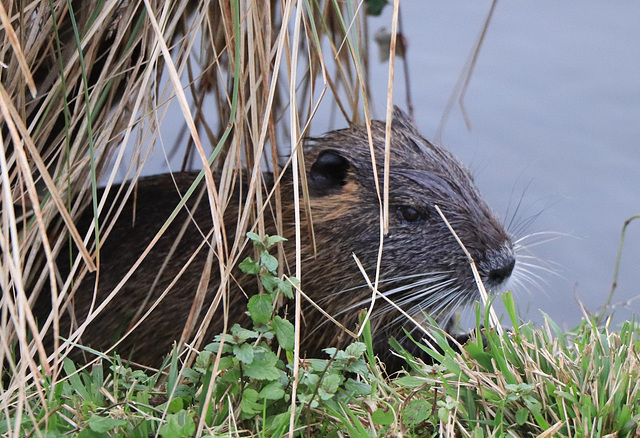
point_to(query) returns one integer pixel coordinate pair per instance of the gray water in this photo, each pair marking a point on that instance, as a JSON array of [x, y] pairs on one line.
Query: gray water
[[554, 109]]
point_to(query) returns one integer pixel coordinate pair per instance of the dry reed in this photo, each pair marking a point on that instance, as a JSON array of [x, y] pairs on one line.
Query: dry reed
[[84, 85]]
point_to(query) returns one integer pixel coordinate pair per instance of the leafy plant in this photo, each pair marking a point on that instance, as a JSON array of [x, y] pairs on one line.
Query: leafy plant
[[530, 382], [254, 380], [261, 305], [251, 383]]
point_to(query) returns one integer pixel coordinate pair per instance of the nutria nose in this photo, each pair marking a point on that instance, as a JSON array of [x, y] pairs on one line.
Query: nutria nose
[[501, 273]]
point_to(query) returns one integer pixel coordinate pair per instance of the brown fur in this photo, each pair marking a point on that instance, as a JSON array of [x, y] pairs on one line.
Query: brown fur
[[345, 212]]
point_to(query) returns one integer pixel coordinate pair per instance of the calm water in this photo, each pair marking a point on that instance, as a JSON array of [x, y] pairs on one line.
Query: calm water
[[554, 107]]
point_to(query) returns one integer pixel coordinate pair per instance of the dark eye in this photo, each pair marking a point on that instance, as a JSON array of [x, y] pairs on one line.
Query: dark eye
[[408, 214]]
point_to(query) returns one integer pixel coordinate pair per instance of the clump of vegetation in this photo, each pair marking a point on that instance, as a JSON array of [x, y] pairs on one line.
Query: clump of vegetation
[[238, 380], [527, 382], [532, 382]]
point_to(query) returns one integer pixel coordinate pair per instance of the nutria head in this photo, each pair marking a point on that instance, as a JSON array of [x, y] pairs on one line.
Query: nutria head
[[423, 268]]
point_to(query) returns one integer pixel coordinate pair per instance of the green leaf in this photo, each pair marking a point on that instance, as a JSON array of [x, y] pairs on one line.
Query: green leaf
[[357, 366], [269, 262], [250, 266], [75, 381], [256, 239], [416, 412], [272, 240], [104, 424], [317, 365], [357, 388], [357, 349], [273, 391], [203, 361], [310, 379], [84, 433], [443, 414], [277, 424], [329, 385], [263, 366], [249, 403], [270, 282], [521, 416], [175, 405], [510, 307], [213, 347], [410, 382], [382, 418], [244, 353], [479, 354], [240, 334], [285, 288], [260, 308], [557, 330], [351, 422], [225, 363], [184, 391], [178, 425], [97, 377], [285, 332], [192, 375], [331, 351]]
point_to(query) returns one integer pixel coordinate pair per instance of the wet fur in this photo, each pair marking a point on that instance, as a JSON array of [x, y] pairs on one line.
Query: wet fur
[[423, 268]]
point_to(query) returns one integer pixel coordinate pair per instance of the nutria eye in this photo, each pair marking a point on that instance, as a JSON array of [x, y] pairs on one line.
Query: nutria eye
[[408, 214]]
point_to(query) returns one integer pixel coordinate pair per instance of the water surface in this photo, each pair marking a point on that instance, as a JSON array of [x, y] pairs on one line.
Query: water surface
[[554, 107]]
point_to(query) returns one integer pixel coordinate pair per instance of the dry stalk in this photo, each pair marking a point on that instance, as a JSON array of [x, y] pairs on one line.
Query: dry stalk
[[85, 88]]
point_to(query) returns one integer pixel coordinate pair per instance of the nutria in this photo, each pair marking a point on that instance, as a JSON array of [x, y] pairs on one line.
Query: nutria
[[423, 268]]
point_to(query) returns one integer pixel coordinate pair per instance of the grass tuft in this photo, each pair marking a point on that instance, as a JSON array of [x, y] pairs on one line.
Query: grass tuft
[[527, 382]]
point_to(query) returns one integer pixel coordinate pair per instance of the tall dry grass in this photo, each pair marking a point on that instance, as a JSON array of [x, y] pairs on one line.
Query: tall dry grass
[[86, 84]]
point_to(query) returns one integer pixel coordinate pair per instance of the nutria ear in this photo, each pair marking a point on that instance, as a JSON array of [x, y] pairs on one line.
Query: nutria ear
[[328, 173], [401, 120]]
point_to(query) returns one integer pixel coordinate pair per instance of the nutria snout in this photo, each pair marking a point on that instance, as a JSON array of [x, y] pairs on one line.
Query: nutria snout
[[423, 269]]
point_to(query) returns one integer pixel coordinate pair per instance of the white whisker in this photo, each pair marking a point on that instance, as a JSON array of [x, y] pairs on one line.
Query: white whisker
[[549, 236]]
